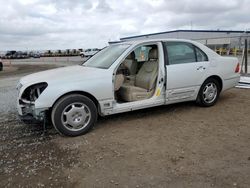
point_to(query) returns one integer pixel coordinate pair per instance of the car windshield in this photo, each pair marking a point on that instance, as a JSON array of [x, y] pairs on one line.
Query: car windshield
[[106, 57]]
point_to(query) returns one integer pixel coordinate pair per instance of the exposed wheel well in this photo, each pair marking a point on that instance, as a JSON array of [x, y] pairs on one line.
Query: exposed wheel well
[[81, 93], [218, 79]]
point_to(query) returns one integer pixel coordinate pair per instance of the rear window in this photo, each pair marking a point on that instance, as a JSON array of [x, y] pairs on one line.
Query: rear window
[[201, 56]]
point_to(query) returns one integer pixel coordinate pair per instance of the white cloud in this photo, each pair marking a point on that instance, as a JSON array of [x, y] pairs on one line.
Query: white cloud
[[62, 24]]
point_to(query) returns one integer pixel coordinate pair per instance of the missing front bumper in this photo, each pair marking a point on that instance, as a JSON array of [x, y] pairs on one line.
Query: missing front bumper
[[28, 111], [29, 119]]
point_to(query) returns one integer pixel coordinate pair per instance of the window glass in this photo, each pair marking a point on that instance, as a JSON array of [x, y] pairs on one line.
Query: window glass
[[180, 52], [106, 57], [141, 53], [201, 56]]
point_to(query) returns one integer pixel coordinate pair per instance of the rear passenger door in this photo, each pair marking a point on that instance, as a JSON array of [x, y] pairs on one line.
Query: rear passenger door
[[185, 70]]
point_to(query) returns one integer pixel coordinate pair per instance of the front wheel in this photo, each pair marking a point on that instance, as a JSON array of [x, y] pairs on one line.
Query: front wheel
[[209, 93], [74, 115]]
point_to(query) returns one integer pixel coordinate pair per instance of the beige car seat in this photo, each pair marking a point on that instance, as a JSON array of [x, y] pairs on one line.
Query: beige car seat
[[145, 80], [130, 63], [119, 80]]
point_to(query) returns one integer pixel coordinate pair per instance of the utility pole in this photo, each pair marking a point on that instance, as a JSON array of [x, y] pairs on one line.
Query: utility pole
[[246, 53]]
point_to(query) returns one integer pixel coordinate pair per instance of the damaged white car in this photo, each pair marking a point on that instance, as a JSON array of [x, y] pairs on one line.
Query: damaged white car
[[124, 77]]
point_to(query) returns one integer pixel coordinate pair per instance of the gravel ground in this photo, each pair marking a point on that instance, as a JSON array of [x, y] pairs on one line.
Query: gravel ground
[[26, 151], [180, 145]]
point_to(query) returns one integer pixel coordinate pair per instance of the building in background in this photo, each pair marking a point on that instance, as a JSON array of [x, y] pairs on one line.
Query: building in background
[[222, 41]]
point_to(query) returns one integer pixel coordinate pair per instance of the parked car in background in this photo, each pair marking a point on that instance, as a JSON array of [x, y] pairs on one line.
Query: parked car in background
[[9, 54], [35, 54], [125, 77], [15, 55], [89, 52], [20, 55]]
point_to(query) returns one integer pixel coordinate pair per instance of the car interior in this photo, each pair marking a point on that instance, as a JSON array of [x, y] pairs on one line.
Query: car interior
[[136, 76]]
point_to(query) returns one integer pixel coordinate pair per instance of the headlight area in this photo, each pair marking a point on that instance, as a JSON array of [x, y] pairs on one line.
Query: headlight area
[[28, 98]]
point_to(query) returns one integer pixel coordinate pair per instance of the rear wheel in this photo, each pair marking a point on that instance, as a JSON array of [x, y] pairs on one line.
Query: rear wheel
[[74, 115], [209, 93]]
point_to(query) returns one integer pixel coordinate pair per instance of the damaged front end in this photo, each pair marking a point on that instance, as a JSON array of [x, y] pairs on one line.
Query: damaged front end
[[26, 101]]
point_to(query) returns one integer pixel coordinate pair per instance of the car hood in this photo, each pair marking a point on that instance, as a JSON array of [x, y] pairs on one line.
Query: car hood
[[64, 74]]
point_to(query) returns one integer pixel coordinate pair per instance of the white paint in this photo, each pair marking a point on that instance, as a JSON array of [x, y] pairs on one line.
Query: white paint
[[98, 82]]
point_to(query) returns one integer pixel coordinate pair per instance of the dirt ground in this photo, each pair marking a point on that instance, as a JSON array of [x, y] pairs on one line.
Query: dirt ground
[[180, 145]]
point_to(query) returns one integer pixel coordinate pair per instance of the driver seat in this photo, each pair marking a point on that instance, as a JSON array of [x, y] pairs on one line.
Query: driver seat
[[145, 80], [130, 63]]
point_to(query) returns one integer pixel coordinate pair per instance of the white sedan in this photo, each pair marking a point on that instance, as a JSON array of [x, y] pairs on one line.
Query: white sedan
[[89, 52], [124, 77]]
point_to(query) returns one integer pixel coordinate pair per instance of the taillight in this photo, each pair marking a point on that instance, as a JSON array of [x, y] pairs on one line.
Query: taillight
[[237, 69]]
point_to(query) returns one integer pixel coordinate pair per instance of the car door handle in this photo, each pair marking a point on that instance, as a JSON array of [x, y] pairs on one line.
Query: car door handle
[[201, 67]]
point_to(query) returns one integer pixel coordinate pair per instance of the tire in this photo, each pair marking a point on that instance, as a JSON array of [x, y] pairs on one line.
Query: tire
[[209, 93], [74, 115]]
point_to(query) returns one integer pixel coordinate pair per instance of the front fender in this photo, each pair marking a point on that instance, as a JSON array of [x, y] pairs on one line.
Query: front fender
[[101, 89]]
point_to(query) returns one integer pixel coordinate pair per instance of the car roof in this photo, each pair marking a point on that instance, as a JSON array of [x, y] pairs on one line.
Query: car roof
[[140, 41], [154, 40]]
